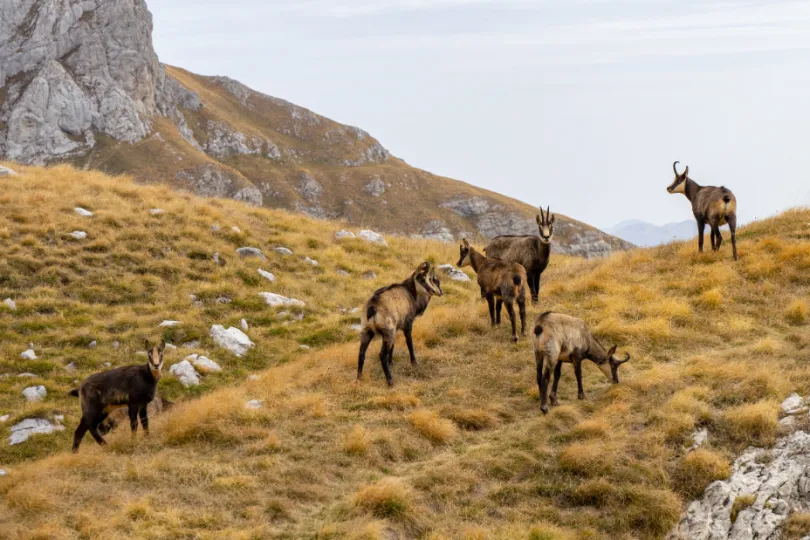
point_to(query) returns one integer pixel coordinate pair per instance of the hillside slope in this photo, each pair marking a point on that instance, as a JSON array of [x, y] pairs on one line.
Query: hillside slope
[[458, 449], [81, 83]]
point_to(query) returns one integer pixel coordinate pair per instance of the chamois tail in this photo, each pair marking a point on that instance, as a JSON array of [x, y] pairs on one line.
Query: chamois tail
[[727, 199], [516, 281], [74, 392], [538, 329], [370, 312]]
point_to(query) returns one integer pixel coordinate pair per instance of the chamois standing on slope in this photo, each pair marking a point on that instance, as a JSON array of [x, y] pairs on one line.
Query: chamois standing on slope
[[560, 338], [132, 387], [500, 281], [531, 252], [711, 205], [394, 308]]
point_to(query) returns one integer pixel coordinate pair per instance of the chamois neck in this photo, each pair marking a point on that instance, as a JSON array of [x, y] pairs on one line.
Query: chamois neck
[[597, 352], [476, 259], [691, 188]]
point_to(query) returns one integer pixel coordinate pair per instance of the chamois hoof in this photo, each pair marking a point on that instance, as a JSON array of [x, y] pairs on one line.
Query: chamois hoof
[[581, 395], [515, 339], [544, 409]]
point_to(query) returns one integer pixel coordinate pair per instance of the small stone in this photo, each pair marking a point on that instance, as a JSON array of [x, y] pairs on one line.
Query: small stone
[[247, 252], [254, 404], [313, 262], [71, 366], [231, 339], [304, 347], [191, 344], [83, 211], [205, 365], [369, 275], [236, 229], [157, 211], [5, 418], [35, 393], [788, 423], [793, 404], [92, 345], [5, 171], [185, 373], [344, 234], [78, 235], [342, 272], [266, 275], [354, 310], [59, 417], [277, 300], [192, 297], [282, 314], [253, 377], [170, 347], [28, 355], [26, 376], [371, 236], [116, 344], [699, 438], [283, 250], [356, 327], [169, 323], [454, 273], [12, 305], [223, 300], [2, 471], [107, 364], [214, 227], [243, 323], [31, 426]]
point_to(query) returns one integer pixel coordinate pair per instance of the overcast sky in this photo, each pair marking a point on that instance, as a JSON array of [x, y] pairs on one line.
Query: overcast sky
[[578, 104]]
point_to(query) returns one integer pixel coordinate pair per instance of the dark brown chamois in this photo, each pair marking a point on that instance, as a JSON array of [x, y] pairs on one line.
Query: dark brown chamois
[[394, 308], [132, 387], [531, 252], [713, 206], [500, 281], [560, 338]]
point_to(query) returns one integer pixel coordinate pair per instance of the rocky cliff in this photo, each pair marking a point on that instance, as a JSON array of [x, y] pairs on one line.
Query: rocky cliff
[[80, 82]]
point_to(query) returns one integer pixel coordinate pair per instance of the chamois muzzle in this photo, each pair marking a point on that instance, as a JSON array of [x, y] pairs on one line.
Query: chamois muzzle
[[614, 366]]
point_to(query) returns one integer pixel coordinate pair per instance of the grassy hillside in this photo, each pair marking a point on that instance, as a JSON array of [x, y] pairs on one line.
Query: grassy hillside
[[458, 449]]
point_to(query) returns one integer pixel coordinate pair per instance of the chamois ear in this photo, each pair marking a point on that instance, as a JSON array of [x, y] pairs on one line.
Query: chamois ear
[[612, 351], [162, 345], [552, 219], [147, 345], [538, 219], [423, 268], [465, 242], [686, 172]]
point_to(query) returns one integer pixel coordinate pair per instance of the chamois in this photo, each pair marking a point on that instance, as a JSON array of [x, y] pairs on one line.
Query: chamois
[[132, 387], [560, 338], [501, 281], [532, 252], [394, 308], [711, 205]]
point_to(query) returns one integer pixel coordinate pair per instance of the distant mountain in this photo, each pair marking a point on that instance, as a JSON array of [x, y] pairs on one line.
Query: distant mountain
[[646, 234]]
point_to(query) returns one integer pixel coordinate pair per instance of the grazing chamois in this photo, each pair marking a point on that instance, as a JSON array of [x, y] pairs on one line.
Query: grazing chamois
[[711, 205], [560, 338], [531, 252], [394, 308], [500, 281], [132, 387]]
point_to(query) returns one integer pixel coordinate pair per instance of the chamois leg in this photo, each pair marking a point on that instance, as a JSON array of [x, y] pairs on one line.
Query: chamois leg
[[132, 411], [93, 428], [534, 285], [498, 306], [365, 339], [731, 219], [719, 236], [408, 330], [491, 304], [701, 225], [521, 301], [546, 377], [510, 309], [78, 435], [553, 396], [578, 373], [715, 239], [386, 353], [144, 419], [539, 360]]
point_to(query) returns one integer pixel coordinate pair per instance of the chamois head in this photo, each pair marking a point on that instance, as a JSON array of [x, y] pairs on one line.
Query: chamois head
[[155, 355], [464, 254], [679, 184], [545, 222], [426, 278], [610, 365]]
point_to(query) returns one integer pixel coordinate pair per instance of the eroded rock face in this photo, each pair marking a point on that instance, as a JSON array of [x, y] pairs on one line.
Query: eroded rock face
[[211, 181]]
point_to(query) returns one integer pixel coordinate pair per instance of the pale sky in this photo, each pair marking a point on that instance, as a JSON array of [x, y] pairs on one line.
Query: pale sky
[[578, 104]]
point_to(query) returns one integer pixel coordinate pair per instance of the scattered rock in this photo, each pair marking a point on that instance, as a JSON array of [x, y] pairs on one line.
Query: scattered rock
[[266, 275], [369, 275], [282, 314], [788, 423], [78, 235], [375, 188], [92, 345], [11, 304], [26, 375], [214, 227], [35, 393], [313, 262], [31, 426], [28, 355], [108, 364], [254, 404], [277, 300], [236, 229], [168, 323], [304, 347], [232, 339], [282, 250], [342, 272], [116, 344], [203, 363], [699, 438], [247, 252], [83, 211], [793, 404], [356, 327], [5, 418], [157, 211], [191, 344], [185, 373], [243, 323], [253, 377], [354, 310], [59, 417], [344, 234], [71, 366], [2, 471], [5, 171], [454, 273], [371, 236], [170, 347], [779, 483], [223, 300]]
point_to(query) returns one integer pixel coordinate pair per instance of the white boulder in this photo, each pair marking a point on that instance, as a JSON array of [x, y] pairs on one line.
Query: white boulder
[[453, 273], [793, 404], [204, 364], [168, 323], [344, 234], [232, 339], [11, 304], [84, 212], [28, 355], [185, 373], [254, 404], [266, 275], [35, 393], [5, 418], [31, 426], [313, 262], [78, 235], [276, 300], [282, 250], [246, 252], [371, 236]]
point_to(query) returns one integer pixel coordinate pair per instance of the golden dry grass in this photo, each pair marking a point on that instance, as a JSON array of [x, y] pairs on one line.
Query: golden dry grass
[[458, 448]]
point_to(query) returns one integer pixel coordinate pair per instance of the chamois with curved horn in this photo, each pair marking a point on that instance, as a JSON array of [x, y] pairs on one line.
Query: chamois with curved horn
[[713, 206]]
